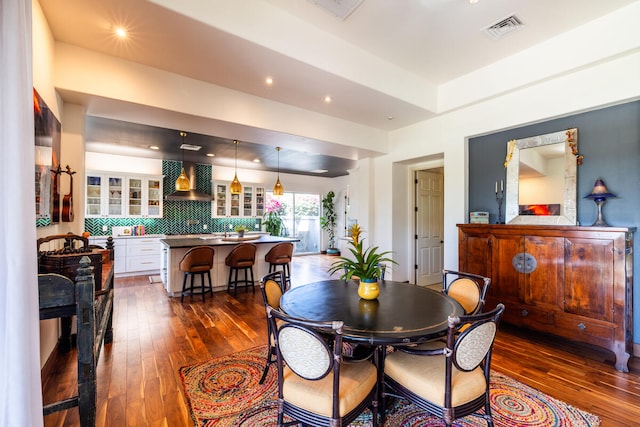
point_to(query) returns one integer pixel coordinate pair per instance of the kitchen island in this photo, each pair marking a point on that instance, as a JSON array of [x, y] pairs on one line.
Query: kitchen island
[[174, 248]]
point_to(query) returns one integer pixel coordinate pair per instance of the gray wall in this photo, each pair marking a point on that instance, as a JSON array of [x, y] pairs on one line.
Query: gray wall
[[608, 138]]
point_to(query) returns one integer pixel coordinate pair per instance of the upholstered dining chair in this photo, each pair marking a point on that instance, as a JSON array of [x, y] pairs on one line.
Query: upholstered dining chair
[[453, 381], [272, 286], [314, 386], [466, 288]]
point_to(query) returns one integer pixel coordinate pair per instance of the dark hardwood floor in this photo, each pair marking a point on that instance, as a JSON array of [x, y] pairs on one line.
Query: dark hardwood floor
[[154, 335]]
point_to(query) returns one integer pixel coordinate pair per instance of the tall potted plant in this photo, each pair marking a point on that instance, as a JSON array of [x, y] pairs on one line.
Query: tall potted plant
[[365, 264], [328, 221]]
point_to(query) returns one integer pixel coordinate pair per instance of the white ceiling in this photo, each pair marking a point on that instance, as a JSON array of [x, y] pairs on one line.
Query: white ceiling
[[310, 53]]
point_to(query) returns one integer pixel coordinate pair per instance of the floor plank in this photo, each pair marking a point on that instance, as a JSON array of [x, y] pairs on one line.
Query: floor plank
[[154, 335]]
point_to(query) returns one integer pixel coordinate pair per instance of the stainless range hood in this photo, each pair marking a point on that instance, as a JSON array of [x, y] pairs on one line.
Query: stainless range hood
[[192, 194]]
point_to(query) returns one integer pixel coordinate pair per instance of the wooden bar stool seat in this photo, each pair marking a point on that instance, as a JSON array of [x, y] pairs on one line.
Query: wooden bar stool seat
[[197, 261], [242, 257], [280, 256]]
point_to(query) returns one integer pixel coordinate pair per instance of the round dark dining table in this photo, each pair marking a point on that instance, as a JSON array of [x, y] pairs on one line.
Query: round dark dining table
[[403, 313]]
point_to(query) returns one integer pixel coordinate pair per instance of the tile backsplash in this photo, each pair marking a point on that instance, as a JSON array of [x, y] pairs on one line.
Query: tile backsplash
[[179, 217]]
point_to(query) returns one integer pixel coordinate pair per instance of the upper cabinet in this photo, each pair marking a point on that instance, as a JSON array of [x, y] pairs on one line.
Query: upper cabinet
[[104, 195], [144, 197], [248, 204], [112, 195]]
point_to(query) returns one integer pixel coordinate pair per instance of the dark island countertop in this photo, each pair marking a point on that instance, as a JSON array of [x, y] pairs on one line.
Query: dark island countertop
[[217, 240]]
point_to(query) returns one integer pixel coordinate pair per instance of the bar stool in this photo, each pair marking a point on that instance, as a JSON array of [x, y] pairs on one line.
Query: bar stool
[[197, 260], [280, 255], [242, 257]]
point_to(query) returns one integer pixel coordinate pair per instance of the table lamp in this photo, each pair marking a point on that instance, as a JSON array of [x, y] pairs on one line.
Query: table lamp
[[599, 194]]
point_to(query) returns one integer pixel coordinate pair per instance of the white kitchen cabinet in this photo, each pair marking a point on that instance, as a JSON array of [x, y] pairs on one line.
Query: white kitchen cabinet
[[144, 197], [248, 204], [112, 195], [133, 255], [143, 254], [104, 195]]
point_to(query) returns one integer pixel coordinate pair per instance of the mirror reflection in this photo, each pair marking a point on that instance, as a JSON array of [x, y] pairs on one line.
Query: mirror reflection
[[541, 179]]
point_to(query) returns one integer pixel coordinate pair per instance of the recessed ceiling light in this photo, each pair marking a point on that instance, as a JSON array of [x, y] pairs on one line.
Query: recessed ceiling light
[[473, 1], [268, 81], [154, 147], [256, 160], [319, 171], [121, 32], [390, 118], [327, 99], [210, 155]]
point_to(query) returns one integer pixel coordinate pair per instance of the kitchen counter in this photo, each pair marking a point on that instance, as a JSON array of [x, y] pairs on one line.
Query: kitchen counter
[[174, 248], [190, 241]]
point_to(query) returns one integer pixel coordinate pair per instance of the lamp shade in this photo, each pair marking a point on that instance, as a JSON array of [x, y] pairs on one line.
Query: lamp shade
[[599, 191], [278, 189], [235, 187], [182, 183]]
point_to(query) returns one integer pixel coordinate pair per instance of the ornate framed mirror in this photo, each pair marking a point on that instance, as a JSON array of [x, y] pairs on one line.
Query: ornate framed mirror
[[541, 179]]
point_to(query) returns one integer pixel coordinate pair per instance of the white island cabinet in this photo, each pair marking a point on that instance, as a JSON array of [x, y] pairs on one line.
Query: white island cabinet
[[174, 249]]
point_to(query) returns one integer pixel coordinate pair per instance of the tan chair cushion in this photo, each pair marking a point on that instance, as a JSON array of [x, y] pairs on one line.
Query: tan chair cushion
[[425, 376], [466, 292], [356, 382]]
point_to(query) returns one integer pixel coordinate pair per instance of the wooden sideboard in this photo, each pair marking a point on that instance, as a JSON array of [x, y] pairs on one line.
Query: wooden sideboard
[[574, 282]]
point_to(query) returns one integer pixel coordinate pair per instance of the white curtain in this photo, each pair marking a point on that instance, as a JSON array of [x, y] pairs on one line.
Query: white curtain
[[20, 386]]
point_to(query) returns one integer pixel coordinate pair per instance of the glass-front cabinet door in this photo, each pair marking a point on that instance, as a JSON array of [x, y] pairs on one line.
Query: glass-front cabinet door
[[134, 201], [115, 207], [247, 201], [259, 203], [220, 202], [234, 206], [154, 197]]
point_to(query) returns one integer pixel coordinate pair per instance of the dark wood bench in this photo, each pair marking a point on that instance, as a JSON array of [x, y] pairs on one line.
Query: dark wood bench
[[60, 297]]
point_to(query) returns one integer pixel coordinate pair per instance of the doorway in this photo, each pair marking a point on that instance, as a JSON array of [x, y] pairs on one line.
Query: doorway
[[429, 226], [301, 215]]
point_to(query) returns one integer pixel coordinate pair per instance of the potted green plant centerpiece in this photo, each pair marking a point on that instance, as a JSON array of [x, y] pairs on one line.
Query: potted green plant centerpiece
[[328, 222], [366, 265], [240, 229]]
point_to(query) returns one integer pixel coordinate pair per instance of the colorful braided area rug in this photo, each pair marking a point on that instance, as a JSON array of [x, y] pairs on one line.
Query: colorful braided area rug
[[225, 392]]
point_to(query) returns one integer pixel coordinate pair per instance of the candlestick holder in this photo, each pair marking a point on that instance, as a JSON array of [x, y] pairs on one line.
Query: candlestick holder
[[500, 200]]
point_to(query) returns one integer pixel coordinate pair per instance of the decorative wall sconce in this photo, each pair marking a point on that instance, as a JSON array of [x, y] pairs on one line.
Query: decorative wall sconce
[[600, 194]]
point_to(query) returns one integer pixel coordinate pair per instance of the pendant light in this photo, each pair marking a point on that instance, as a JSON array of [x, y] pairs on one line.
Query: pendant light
[[236, 187], [182, 183], [278, 189]]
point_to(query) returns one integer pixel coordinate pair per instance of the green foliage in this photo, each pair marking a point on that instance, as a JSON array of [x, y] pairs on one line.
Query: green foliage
[[328, 220], [366, 264], [240, 228]]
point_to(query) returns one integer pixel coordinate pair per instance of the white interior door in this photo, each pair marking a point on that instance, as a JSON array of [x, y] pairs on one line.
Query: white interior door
[[429, 227]]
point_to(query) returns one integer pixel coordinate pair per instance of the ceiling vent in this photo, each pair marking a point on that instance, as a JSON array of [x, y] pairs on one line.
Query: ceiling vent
[[504, 27], [341, 9], [190, 147]]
